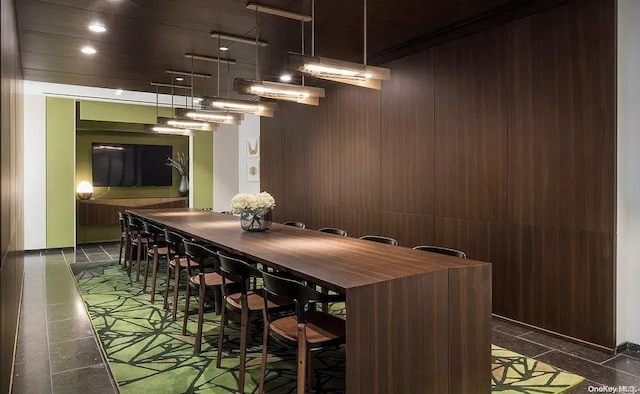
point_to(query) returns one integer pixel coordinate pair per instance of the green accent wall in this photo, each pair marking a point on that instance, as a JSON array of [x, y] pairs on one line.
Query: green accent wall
[[118, 112], [61, 210], [202, 177], [73, 126], [85, 139]]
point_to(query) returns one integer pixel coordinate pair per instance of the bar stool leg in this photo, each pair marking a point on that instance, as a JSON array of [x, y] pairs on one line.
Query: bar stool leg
[[201, 294], [244, 323], [176, 288], [224, 319], [263, 361], [138, 257], [146, 268], [185, 319], [302, 358], [130, 257], [121, 248], [166, 287], [154, 275]]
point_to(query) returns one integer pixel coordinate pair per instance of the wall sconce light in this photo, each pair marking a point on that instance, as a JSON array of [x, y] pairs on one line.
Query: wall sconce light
[[84, 190]]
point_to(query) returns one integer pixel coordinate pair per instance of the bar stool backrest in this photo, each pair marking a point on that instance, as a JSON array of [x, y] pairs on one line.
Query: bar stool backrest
[[333, 230], [380, 239], [442, 250], [201, 255], [295, 224], [300, 293]]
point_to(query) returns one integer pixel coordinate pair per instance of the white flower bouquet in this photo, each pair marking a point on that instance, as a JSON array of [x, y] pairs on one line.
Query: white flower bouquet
[[252, 202], [254, 210]]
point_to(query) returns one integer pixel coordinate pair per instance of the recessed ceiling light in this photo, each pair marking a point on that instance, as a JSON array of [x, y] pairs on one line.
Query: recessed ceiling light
[[97, 28], [88, 50], [119, 92], [179, 79], [224, 48], [285, 78]]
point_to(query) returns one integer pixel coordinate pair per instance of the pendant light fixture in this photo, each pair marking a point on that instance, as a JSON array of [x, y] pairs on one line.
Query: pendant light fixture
[[221, 117], [337, 70], [280, 91], [242, 106], [276, 90], [161, 127], [177, 122], [214, 107]]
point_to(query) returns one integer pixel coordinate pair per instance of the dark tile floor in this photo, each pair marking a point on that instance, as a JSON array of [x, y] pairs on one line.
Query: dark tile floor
[[58, 352], [600, 369]]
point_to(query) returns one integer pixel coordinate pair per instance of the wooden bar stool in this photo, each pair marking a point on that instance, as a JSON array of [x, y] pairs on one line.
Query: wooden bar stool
[[157, 248], [247, 303], [138, 241], [308, 330], [205, 285], [178, 262]]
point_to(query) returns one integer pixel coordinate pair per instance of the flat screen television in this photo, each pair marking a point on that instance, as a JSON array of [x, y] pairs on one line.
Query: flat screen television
[[131, 165]]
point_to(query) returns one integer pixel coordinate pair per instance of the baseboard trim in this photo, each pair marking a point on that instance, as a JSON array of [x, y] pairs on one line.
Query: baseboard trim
[[630, 346], [557, 334], [35, 251]]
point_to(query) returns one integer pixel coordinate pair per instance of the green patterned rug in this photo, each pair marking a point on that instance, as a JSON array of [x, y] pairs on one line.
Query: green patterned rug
[[147, 352]]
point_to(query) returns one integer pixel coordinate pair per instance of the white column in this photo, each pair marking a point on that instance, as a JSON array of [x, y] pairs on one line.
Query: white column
[[35, 170], [249, 142], [628, 177], [225, 166]]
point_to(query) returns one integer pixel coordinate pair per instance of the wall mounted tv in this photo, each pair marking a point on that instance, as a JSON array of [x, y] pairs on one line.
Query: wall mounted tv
[[131, 165]]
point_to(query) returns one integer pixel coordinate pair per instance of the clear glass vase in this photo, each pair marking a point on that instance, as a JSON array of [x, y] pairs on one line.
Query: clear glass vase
[[255, 219]]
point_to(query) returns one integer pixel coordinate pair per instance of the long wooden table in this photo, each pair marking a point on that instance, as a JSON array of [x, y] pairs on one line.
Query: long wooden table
[[417, 322]]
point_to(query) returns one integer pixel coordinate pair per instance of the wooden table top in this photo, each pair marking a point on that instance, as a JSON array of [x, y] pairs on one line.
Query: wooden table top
[[338, 263]]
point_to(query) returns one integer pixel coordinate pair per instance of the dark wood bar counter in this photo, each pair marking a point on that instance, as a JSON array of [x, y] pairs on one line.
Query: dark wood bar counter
[[417, 322]]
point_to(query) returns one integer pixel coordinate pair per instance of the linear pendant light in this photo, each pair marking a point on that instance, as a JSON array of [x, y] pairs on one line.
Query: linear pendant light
[[213, 108], [242, 106], [186, 123], [275, 90], [338, 70], [279, 91], [222, 117], [169, 125], [160, 129]]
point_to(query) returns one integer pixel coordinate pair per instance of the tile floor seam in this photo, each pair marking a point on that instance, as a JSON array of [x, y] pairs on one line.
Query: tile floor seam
[[543, 353], [83, 252], [524, 333], [526, 339], [79, 368], [70, 340], [609, 359], [105, 252]]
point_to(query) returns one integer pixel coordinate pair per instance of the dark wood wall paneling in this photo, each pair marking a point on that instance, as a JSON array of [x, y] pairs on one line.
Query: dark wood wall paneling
[[501, 144], [11, 168]]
